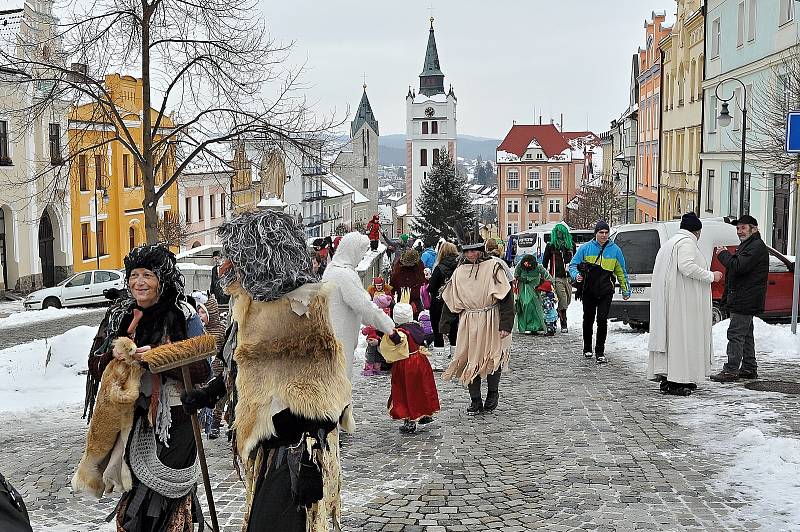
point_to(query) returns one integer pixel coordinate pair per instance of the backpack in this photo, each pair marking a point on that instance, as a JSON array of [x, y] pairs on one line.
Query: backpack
[[13, 514]]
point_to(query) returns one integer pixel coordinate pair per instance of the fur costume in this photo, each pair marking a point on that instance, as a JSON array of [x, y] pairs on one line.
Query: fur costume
[[110, 426]]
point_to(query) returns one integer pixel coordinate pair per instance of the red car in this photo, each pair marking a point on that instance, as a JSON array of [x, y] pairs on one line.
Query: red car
[[778, 305]]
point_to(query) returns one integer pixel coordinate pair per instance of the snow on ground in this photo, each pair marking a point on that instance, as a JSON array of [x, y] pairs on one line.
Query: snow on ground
[[35, 316], [11, 307], [26, 384]]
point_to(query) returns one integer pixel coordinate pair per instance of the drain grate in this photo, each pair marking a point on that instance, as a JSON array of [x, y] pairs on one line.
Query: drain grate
[[774, 386]]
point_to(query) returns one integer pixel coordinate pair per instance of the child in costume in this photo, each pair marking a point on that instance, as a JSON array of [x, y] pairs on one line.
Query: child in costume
[[414, 397], [549, 306], [424, 293], [379, 286], [384, 302], [427, 326], [372, 363]]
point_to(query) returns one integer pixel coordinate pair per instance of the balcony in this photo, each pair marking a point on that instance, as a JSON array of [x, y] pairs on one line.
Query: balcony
[[315, 220], [534, 192], [314, 170], [314, 195]]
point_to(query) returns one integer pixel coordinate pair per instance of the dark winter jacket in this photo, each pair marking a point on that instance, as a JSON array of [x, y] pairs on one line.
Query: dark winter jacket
[[559, 259], [411, 277], [441, 274], [746, 274]]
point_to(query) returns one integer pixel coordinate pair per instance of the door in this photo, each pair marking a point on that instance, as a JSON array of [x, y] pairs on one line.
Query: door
[[780, 213], [78, 290], [779, 286], [46, 251]]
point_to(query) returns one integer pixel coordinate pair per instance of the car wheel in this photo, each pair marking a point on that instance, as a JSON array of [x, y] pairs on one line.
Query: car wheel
[[53, 302], [717, 314]]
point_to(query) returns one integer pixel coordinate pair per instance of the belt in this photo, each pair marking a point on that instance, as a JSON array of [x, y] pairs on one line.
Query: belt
[[476, 310]]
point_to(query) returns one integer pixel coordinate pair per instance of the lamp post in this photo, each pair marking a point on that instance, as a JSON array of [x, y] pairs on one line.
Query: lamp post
[[99, 184], [724, 120], [624, 163]]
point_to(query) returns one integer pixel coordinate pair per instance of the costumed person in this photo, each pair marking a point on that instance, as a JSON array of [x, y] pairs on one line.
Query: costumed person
[[428, 258], [161, 451], [373, 358], [530, 314], [424, 294], [414, 397], [216, 327], [493, 251], [374, 231], [680, 342], [480, 296], [292, 390], [557, 255], [350, 304], [427, 327], [384, 302], [215, 288], [446, 263], [549, 305], [379, 286], [402, 244], [409, 273]]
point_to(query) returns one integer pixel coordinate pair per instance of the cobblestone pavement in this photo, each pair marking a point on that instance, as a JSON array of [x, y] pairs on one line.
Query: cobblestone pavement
[[573, 446], [12, 336]]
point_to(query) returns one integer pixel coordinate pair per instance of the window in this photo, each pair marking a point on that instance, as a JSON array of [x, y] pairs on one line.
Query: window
[[710, 191], [528, 156], [98, 172], [137, 178], [199, 208], [85, 241], [554, 179], [222, 205], [101, 238], [84, 186], [512, 228], [734, 194], [512, 205], [106, 277], [436, 156], [512, 179], [212, 206], [786, 13], [681, 88], [530, 224], [534, 180], [434, 127], [712, 113], [188, 204], [555, 206], [126, 178], [533, 206], [639, 249], [751, 21], [131, 237], [715, 32], [55, 145], [5, 154], [423, 157], [365, 183], [424, 128], [539, 155], [82, 279], [740, 24], [746, 199], [693, 78]]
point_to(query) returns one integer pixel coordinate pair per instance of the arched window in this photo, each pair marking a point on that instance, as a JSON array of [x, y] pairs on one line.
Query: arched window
[[693, 78], [700, 70], [196, 244], [131, 237]]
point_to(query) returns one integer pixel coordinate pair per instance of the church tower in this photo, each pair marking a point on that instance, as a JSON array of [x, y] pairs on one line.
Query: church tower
[[430, 123]]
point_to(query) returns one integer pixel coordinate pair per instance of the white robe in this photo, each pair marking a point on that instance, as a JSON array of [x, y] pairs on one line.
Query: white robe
[[680, 342], [350, 303]]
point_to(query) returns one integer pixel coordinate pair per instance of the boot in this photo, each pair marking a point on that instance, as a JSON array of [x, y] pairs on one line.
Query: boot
[[367, 371], [493, 396], [376, 368], [408, 427], [476, 406], [213, 432], [562, 314]]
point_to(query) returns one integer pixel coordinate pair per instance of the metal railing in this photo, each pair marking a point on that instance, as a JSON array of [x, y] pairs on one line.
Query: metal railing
[[314, 170], [314, 195]]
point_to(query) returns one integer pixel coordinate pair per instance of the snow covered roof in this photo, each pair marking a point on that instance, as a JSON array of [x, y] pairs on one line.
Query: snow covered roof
[[438, 98], [519, 138], [343, 187], [401, 210], [396, 196]]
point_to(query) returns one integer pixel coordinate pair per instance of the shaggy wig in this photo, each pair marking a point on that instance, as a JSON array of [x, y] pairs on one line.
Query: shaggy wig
[[268, 252]]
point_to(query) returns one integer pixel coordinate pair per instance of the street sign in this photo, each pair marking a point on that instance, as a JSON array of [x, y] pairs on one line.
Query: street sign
[[793, 132]]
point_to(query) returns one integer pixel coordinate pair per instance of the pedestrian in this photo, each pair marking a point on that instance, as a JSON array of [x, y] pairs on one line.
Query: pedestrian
[[222, 297], [13, 512], [379, 287], [746, 273], [680, 343], [595, 265], [372, 356], [493, 251], [374, 231], [414, 397], [428, 258], [529, 274], [547, 295], [446, 262], [216, 327], [480, 294], [292, 390], [161, 449], [410, 274], [557, 255], [424, 293], [318, 264]]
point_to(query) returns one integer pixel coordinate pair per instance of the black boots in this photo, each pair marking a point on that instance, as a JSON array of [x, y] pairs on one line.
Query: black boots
[[492, 398], [475, 407]]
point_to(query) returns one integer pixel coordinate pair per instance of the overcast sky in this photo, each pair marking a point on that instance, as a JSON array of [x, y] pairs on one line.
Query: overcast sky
[[503, 57]]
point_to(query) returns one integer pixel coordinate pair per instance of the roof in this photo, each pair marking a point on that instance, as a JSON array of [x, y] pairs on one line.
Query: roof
[[364, 115], [10, 22], [431, 79], [336, 182], [547, 136]]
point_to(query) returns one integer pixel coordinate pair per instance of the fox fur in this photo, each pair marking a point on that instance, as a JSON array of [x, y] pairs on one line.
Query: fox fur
[[102, 468]]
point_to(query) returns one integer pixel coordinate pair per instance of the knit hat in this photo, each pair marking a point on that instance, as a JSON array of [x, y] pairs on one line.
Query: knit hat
[[404, 238], [403, 311], [601, 225], [691, 222], [410, 257]]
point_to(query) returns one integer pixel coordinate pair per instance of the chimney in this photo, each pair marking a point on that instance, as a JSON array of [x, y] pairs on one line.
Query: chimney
[[540, 119], [562, 122]]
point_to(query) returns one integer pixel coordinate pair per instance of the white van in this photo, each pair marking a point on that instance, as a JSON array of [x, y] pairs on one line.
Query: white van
[[533, 241], [640, 244]]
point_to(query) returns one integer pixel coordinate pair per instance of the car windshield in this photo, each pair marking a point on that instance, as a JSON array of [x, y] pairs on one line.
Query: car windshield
[[65, 281]]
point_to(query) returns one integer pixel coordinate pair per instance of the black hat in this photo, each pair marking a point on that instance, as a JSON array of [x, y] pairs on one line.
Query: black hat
[[691, 222], [601, 225], [745, 219]]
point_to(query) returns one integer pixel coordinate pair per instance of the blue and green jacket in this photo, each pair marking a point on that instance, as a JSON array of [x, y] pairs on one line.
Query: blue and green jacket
[[612, 262]]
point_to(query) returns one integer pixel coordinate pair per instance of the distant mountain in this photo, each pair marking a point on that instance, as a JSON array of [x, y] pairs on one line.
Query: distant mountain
[[392, 148]]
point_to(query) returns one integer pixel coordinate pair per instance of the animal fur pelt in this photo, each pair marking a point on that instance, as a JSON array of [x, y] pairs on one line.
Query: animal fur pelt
[[175, 353], [102, 468]]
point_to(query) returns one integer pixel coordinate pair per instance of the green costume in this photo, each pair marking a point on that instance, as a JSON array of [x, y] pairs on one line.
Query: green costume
[[530, 316]]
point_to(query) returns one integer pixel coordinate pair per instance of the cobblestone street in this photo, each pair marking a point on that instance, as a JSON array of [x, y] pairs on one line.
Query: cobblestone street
[[572, 446]]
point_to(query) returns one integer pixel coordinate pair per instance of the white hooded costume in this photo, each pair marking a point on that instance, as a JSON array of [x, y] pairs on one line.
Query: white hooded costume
[[350, 303]]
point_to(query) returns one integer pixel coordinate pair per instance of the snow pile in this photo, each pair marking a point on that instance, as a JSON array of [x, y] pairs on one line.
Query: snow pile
[[36, 316], [773, 342], [11, 307], [25, 382]]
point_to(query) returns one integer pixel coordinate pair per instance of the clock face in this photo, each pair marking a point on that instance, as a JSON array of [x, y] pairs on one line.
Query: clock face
[[429, 111]]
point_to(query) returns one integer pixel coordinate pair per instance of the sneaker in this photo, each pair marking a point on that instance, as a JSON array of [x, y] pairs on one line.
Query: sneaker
[[408, 427], [725, 376], [475, 408], [748, 374], [424, 420], [601, 359], [588, 354], [492, 398]]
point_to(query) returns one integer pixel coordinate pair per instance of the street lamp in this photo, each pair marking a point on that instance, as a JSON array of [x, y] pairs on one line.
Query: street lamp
[[99, 184], [724, 120], [624, 163]]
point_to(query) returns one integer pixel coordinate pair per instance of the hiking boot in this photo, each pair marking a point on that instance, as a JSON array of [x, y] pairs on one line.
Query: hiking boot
[[725, 376], [601, 359], [588, 354], [748, 374], [408, 427], [475, 408], [492, 398]]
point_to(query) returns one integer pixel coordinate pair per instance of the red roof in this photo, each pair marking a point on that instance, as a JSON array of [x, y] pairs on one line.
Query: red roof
[[572, 135], [547, 135]]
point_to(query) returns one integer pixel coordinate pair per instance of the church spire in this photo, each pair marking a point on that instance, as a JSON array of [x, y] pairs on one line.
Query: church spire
[[364, 115], [431, 80]]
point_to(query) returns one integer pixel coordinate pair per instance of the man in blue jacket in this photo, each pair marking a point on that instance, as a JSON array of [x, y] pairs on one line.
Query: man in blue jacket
[[594, 265]]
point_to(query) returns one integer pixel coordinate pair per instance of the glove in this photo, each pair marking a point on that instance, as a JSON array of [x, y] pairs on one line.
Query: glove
[[396, 338], [204, 397]]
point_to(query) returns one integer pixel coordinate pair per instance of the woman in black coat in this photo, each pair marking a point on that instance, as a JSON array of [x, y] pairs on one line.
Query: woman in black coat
[[446, 262]]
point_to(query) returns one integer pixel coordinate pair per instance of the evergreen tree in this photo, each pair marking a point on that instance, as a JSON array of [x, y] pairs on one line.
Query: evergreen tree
[[491, 175], [444, 202], [480, 174]]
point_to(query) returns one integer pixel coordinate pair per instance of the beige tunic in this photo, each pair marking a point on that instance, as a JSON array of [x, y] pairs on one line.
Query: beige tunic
[[474, 292]]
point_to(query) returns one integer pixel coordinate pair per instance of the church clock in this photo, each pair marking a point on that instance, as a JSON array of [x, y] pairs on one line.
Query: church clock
[[429, 111]]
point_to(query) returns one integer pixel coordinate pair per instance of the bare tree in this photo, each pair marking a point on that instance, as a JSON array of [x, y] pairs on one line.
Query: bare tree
[[594, 202], [172, 231], [210, 75]]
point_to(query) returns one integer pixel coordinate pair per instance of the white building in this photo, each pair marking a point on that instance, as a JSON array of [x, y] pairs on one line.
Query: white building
[[430, 123], [203, 204]]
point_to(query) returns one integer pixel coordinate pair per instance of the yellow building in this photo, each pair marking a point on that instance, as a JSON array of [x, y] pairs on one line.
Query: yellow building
[[106, 179]]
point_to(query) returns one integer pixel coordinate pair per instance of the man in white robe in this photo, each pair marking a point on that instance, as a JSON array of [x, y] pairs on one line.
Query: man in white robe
[[680, 343]]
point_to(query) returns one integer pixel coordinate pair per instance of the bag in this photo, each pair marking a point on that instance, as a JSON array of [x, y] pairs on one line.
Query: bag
[[393, 353], [585, 268], [13, 514]]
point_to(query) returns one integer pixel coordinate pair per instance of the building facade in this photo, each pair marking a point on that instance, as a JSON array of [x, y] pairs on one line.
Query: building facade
[[647, 167], [749, 41], [106, 188], [430, 124], [203, 198], [35, 230], [682, 111]]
